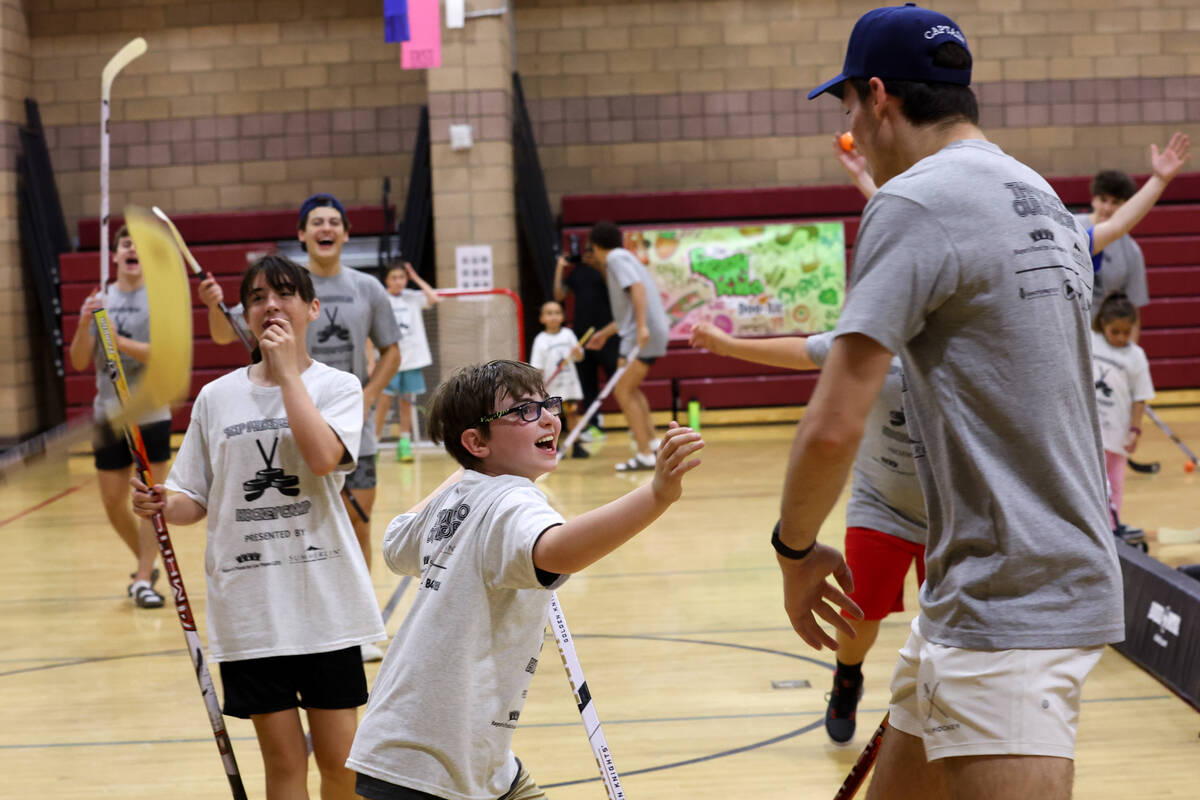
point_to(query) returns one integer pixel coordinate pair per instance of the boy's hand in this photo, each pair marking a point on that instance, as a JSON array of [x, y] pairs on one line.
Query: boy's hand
[[147, 502], [576, 353], [672, 462], [93, 303], [1167, 164], [854, 162], [278, 347], [412, 273], [210, 292], [710, 337], [598, 339], [643, 336]]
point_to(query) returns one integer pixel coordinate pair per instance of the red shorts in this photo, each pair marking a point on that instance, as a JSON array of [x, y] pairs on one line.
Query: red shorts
[[879, 563]]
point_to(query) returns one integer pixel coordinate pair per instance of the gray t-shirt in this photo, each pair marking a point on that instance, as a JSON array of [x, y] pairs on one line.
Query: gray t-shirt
[[885, 494], [452, 686], [970, 267], [1123, 269], [622, 271], [353, 306], [129, 313]]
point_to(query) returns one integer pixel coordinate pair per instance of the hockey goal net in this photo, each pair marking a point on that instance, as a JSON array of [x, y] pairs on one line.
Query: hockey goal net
[[467, 326]]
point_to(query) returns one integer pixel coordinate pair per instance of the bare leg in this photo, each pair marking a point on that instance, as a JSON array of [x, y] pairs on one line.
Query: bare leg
[[635, 406], [854, 651], [1009, 777], [137, 534], [362, 530], [284, 754], [902, 773], [332, 734], [405, 419], [381, 410]]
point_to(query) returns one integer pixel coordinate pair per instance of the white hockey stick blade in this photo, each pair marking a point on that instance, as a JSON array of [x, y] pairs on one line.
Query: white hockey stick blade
[[179, 242], [1178, 535], [133, 49]]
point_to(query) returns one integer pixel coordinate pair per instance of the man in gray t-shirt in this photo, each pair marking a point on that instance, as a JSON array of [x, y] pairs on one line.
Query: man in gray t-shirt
[[641, 322], [969, 267]]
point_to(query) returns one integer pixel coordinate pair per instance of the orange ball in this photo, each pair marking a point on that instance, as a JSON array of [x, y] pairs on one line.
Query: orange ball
[[1189, 466], [846, 140]]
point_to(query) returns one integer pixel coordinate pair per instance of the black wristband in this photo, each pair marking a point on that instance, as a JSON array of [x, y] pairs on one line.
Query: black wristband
[[786, 551]]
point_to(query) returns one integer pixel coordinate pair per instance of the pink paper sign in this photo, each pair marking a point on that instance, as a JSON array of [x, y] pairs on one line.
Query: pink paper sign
[[424, 49]]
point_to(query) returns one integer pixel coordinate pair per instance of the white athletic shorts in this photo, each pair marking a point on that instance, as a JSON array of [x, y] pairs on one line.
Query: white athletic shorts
[[989, 702]]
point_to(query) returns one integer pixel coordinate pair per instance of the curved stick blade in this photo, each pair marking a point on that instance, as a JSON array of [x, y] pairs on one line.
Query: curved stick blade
[[135, 48]]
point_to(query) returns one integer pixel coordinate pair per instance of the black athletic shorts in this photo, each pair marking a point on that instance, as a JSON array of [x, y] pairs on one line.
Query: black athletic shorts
[[363, 476], [316, 680], [109, 450]]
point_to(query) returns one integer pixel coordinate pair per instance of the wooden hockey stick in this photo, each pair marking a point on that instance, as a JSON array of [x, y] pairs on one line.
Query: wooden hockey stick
[[133, 49], [242, 335], [563, 363], [171, 340], [583, 698], [1157, 420]]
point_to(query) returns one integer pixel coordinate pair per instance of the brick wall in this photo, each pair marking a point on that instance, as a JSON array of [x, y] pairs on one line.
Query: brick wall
[[235, 105], [711, 94]]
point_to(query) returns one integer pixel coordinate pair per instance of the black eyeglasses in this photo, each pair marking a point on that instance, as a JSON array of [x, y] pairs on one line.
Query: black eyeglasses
[[530, 411]]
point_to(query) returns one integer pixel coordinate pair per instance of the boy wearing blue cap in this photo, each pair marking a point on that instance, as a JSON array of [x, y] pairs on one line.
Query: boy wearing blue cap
[[354, 308], [971, 269]]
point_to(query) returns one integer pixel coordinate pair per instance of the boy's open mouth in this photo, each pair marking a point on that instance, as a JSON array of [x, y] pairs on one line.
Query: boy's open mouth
[[546, 442]]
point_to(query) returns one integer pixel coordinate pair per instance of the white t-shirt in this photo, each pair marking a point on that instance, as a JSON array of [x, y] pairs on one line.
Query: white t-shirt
[[284, 572], [1122, 378], [446, 701], [414, 346], [549, 349]]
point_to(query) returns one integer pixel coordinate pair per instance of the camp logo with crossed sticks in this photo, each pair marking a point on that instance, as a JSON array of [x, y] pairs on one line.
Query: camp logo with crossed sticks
[[270, 476]]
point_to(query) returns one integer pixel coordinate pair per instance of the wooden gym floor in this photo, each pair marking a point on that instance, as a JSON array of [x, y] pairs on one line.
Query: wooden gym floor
[[681, 635]]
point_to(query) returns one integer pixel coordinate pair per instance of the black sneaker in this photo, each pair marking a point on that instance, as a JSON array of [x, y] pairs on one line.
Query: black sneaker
[[843, 705], [578, 451], [1135, 537]]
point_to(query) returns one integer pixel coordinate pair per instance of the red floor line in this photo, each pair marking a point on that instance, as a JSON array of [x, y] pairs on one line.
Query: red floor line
[[42, 504]]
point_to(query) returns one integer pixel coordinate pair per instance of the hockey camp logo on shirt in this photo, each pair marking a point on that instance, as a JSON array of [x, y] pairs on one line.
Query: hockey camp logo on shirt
[[270, 476]]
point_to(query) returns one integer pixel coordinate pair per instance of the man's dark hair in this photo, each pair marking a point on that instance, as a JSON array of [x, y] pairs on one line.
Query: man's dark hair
[[121, 233], [606, 235], [925, 103], [1113, 183], [1113, 307], [471, 394]]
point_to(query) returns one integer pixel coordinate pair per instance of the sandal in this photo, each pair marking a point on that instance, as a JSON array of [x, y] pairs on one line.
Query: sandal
[[636, 464], [144, 596]]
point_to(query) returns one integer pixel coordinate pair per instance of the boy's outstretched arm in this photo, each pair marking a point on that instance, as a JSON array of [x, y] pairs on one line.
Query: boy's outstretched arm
[[1165, 166], [790, 352], [569, 548]]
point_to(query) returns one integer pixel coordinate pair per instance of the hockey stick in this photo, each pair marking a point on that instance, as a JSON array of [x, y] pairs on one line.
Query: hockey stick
[[1178, 535], [241, 334], [1157, 420], [595, 406], [394, 600], [171, 335], [133, 49], [1148, 467], [583, 698], [353, 501], [862, 766], [563, 363]]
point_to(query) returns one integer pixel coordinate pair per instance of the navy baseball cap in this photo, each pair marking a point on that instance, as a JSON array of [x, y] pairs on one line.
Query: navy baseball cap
[[320, 200], [898, 42]]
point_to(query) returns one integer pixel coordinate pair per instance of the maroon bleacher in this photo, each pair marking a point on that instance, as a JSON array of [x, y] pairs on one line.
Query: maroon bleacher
[[223, 244], [1169, 237]]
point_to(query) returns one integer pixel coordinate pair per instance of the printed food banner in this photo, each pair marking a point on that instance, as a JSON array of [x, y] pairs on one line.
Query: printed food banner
[[749, 280]]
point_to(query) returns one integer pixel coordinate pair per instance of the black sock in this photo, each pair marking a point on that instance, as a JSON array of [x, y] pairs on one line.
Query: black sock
[[853, 671]]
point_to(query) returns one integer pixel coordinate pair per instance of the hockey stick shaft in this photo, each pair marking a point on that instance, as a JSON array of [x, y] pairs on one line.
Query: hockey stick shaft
[[183, 606], [238, 331], [595, 406], [862, 766], [562, 364], [353, 501], [394, 600], [1157, 420], [583, 698]]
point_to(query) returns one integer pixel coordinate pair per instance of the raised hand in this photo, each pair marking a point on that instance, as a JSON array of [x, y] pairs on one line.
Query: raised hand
[[1167, 163], [210, 292], [672, 462], [278, 347], [93, 303]]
